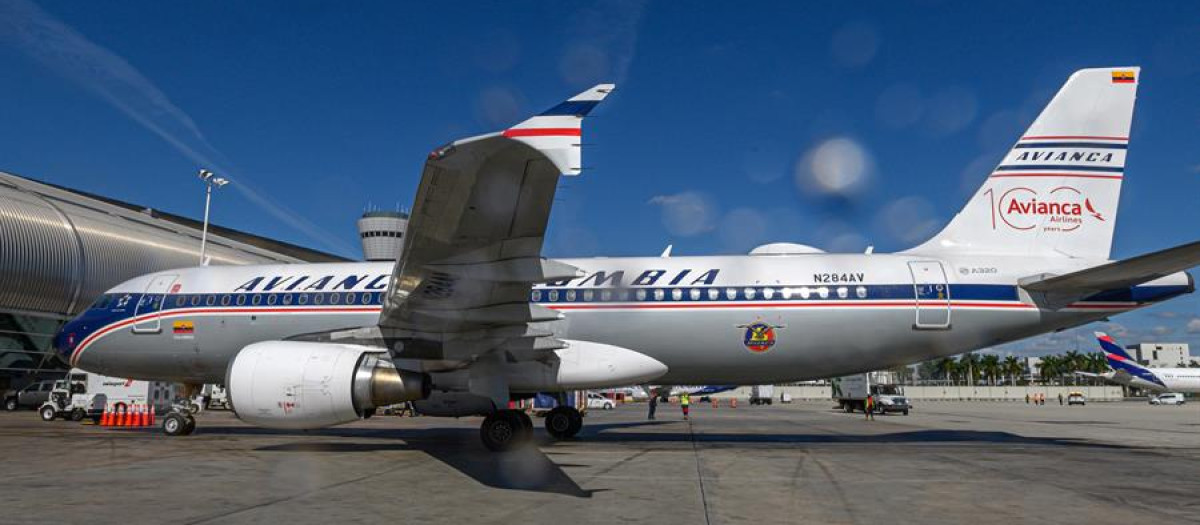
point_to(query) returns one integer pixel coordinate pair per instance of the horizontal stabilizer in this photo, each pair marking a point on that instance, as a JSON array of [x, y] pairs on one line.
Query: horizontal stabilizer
[[1120, 274]]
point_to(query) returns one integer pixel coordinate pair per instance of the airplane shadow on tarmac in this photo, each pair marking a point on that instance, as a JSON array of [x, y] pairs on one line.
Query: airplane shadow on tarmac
[[530, 469]]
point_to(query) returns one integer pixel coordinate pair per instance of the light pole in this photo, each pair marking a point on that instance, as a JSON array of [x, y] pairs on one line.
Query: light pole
[[210, 179]]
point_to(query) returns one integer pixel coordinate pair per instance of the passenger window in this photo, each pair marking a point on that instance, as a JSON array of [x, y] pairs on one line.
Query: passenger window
[[571, 295], [589, 295], [225, 300], [659, 294], [676, 294], [805, 292], [553, 296], [861, 292], [694, 294], [256, 300], [606, 295], [241, 299], [823, 292], [287, 298], [272, 299], [535, 296], [714, 294], [210, 300], [366, 297], [303, 298], [843, 292], [350, 297], [318, 298], [641, 294], [787, 293], [195, 300], [180, 301], [768, 293], [731, 293], [749, 293], [335, 298]]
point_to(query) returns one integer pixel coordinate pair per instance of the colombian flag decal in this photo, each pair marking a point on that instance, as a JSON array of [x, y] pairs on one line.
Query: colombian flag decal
[[1122, 77], [183, 327]]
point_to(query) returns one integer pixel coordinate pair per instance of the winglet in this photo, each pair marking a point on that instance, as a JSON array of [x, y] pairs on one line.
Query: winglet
[[557, 131]]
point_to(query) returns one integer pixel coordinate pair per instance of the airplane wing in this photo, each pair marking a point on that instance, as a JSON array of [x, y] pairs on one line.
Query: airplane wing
[[1063, 289], [473, 247]]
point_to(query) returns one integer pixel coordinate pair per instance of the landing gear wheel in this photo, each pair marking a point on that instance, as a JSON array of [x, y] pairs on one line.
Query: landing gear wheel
[[176, 424], [503, 430], [48, 413], [78, 414], [564, 422]]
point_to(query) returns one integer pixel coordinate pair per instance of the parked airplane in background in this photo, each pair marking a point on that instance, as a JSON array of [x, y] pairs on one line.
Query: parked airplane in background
[[1127, 371], [473, 315]]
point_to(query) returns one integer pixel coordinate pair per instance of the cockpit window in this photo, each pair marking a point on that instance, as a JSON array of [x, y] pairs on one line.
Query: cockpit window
[[102, 302]]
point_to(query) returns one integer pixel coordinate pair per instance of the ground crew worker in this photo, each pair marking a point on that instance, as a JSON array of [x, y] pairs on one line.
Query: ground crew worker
[[870, 407], [1060, 399], [684, 401], [653, 404]]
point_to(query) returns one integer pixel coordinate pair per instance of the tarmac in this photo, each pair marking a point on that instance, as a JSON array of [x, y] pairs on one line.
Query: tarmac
[[947, 462]]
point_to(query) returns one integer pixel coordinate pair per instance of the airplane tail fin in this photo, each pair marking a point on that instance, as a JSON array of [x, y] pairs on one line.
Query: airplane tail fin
[[1056, 191], [1111, 348]]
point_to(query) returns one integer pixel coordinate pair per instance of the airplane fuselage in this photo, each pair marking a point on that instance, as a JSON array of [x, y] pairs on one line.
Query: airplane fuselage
[[711, 320]]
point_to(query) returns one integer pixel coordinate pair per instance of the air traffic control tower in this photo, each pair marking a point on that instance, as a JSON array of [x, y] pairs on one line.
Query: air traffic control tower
[[382, 234]]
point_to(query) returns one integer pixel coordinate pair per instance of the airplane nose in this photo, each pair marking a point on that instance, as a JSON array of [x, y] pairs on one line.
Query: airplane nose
[[66, 340]]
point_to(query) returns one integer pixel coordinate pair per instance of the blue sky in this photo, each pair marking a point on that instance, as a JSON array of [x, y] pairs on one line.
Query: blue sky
[[320, 109]]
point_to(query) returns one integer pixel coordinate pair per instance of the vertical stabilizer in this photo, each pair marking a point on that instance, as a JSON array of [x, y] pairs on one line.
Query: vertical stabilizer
[[1056, 191]]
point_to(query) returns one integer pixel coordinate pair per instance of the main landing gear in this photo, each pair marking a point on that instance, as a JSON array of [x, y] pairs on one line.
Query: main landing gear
[[506, 430]]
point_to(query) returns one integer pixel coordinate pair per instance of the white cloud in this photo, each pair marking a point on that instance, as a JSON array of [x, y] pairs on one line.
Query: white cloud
[[1193, 326], [687, 214]]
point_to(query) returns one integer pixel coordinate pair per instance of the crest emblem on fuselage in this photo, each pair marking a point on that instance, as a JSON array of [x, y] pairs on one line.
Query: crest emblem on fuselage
[[759, 336]]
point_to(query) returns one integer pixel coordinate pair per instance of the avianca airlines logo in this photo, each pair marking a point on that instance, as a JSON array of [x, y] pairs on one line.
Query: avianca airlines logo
[[1062, 209]]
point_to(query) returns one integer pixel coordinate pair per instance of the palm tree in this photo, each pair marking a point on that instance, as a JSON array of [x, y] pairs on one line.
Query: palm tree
[[990, 364], [947, 367], [1074, 361], [969, 366], [1012, 366]]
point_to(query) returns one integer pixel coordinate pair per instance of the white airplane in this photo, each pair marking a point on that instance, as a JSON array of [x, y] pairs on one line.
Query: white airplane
[[473, 315], [1127, 371]]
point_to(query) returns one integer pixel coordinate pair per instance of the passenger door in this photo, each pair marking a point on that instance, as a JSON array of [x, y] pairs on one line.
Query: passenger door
[[151, 302], [932, 295]]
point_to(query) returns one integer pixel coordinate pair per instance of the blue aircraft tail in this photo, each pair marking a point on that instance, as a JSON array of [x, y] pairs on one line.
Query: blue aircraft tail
[[1120, 360]]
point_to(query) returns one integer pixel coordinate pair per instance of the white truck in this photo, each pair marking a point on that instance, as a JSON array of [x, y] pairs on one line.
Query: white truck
[[83, 395], [850, 392], [762, 394]]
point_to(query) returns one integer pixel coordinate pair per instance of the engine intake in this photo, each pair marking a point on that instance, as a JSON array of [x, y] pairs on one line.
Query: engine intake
[[292, 384]]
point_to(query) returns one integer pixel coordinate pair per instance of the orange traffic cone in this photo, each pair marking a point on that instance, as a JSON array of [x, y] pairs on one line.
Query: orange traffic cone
[[106, 417], [150, 415], [733, 403], [118, 414], [129, 416], [136, 419]]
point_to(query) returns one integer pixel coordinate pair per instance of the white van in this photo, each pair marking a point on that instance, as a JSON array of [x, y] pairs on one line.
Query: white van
[[1168, 398]]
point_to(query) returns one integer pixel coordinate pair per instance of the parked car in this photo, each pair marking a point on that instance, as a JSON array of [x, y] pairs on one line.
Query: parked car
[[1076, 398], [31, 396], [598, 401], [1168, 398]]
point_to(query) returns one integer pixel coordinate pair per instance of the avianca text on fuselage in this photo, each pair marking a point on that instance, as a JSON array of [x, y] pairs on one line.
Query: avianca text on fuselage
[[310, 283]]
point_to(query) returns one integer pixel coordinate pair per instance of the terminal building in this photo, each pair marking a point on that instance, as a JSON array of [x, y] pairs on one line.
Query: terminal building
[[1161, 355], [61, 248]]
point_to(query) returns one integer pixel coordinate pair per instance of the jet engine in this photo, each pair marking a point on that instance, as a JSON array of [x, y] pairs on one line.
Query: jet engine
[[292, 384]]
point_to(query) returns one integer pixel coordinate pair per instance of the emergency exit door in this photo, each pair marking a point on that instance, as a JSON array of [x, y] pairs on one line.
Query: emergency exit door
[[151, 302], [932, 294]]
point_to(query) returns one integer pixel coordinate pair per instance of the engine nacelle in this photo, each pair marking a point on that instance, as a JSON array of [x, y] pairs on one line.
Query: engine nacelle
[[291, 384]]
